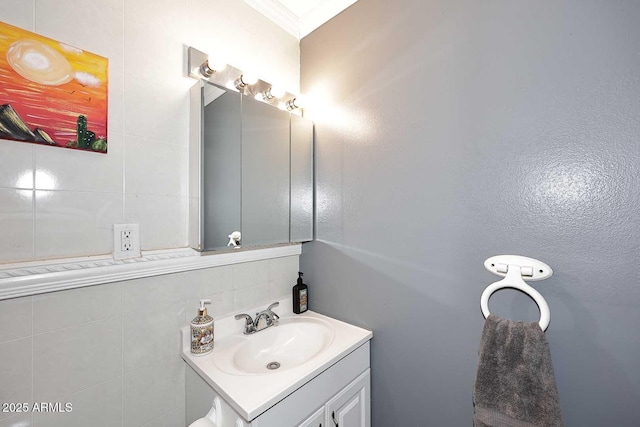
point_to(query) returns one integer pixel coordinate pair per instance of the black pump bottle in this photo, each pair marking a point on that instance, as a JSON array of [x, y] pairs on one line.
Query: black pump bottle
[[300, 296]]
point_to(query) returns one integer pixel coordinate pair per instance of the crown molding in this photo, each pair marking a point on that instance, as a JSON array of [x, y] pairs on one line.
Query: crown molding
[[277, 13], [320, 14], [305, 24]]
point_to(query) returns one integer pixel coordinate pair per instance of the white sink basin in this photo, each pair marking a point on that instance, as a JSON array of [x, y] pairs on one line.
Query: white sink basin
[[303, 344], [293, 342]]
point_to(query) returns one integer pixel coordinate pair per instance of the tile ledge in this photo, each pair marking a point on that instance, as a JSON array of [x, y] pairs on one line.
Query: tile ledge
[[32, 278]]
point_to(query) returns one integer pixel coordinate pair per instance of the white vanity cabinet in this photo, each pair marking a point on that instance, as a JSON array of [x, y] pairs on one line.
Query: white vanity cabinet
[[337, 397], [315, 420], [349, 408]]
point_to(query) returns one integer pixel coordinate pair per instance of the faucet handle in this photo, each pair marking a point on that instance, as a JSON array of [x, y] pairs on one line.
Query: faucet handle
[[272, 306], [248, 322]]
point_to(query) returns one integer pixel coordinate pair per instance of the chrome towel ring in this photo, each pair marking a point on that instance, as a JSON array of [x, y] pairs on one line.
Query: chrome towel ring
[[516, 269]]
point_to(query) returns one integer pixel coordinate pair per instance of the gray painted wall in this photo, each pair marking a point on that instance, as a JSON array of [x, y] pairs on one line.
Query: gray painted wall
[[461, 130]]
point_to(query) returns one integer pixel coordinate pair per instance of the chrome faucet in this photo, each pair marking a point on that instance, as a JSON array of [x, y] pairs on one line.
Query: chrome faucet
[[263, 320]]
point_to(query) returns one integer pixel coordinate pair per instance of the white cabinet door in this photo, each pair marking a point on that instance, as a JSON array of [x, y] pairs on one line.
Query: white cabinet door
[[315, 420], [351, 407]]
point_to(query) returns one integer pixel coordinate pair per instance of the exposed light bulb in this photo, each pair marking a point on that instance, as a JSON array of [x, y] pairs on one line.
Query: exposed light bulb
[[206, 70], [272, 93], [277, 92], [301, 101], [249, 79], [245, 80], [298, 102], [217, 65], [209, 68]]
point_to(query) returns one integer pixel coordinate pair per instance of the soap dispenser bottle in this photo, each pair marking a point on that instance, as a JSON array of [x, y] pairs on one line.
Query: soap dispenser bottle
[[202, 331], [300, 296]]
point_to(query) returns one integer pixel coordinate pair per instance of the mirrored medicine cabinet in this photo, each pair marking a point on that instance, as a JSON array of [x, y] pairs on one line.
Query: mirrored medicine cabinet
[[251, 171]]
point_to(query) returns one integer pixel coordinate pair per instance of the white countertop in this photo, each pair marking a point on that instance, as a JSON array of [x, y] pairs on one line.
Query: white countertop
[[251, 395]]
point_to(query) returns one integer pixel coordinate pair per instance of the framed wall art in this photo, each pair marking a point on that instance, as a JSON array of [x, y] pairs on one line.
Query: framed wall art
[[51, 93]]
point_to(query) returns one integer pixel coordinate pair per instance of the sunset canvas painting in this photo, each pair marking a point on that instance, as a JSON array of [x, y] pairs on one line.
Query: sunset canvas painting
[[51, 93]]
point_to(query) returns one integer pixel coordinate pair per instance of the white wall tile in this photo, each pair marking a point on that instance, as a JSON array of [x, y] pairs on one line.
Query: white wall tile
[[115, 103], [15, 373], [209, 281], [16, 212], [71, 359], [150, 292], [58, 310], [250, 297], [148, 98], [84, 362], [16, 164], [156, 111], [222, 305], [100, 405], [77, 170], [162, 219], [95, 26], [15, 318], [20, 420], [194, 218], [250, 274], [18, 13], [155, 167], [283, 273], [75, 223], [172, 419], [155, 33], [150, 336], [153, 391]]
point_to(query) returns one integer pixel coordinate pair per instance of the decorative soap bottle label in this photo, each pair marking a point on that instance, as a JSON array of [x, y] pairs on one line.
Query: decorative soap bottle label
[[202, 339], [303, 300]]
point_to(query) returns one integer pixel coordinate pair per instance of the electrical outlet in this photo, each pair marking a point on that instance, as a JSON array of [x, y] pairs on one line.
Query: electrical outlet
[[126, 241]]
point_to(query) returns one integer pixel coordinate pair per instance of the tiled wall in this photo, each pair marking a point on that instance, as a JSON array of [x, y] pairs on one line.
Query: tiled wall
[[113, 350], [46, 211]]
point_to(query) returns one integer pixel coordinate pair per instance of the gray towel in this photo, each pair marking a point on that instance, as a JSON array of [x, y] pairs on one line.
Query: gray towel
[[515, 386]]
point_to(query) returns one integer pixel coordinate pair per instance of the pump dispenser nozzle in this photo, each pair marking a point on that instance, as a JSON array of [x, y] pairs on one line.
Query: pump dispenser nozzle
[[202, 311]]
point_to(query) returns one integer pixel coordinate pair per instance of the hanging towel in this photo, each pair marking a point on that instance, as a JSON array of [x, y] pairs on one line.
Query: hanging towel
[[515, 385]]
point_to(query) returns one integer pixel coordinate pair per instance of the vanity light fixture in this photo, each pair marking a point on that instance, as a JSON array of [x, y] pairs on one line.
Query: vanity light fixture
[[207, 70], [201, 66], [245, 80], [272, 93], [295, 103]]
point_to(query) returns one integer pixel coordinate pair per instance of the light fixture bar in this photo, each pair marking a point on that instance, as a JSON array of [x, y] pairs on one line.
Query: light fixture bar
[[234, 79]]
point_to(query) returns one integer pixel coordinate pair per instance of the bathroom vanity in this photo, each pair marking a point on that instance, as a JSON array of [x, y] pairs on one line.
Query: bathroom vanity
[[309, 370]]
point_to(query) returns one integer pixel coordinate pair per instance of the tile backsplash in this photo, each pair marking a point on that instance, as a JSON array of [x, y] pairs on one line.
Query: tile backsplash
[[113, 350], [63, 203]]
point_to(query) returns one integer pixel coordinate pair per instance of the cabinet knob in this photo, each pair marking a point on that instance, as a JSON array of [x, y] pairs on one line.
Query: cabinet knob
[[333, 417]]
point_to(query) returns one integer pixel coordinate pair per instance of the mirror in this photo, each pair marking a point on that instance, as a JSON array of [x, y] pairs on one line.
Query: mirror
[[251, 170]]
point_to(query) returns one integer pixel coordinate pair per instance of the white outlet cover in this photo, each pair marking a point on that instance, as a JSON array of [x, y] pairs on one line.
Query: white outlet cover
[[134, 241]]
